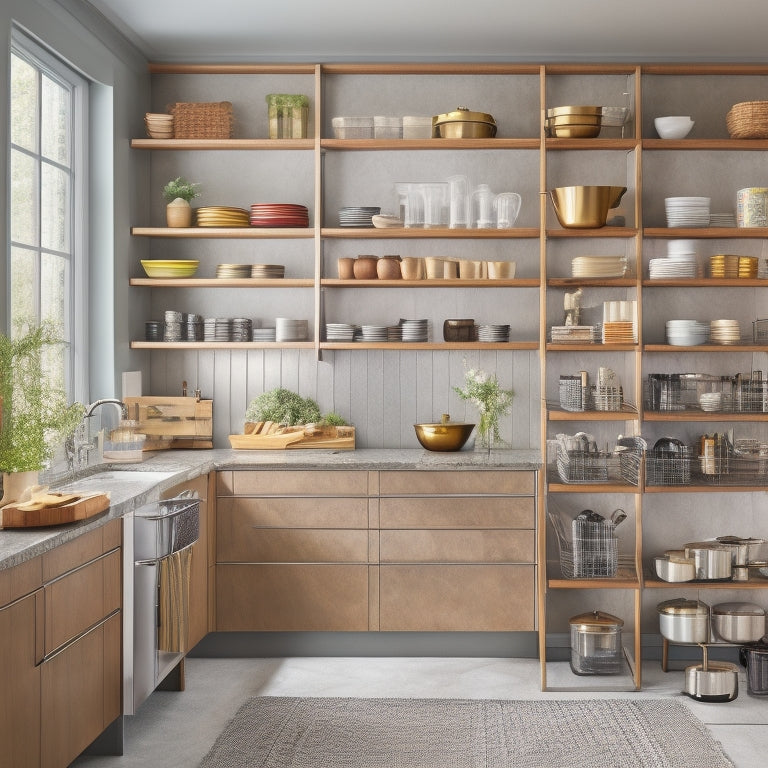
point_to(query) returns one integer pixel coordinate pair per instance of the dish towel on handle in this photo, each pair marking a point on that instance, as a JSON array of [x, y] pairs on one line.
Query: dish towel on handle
[[173, 598]]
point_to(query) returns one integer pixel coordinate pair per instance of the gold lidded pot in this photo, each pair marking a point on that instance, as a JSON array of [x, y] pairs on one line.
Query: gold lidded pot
[[463, 123]]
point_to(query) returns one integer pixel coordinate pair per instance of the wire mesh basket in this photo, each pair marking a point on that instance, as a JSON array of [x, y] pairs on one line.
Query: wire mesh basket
[[730, 467], [582, 466], [607, 398], [669, 467], [588, 550], [572, 393]]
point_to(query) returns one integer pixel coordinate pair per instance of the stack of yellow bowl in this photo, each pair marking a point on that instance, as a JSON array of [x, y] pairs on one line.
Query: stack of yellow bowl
[[574, 122], [170, 268]]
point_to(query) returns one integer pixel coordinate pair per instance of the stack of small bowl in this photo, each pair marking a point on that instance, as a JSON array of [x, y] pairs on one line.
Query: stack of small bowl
[[574, 122], [159, 126]]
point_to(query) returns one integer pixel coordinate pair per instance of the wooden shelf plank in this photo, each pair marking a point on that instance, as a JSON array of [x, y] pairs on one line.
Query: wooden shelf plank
[[706, 348], [556, 487], [711, 233], [220, 282], [377, 145], [612, 282], [592, 144], [652, 582], [409, 233], [618, 232], [706, 489], [426, 68], [628, 413], [219, 144], [233, 233], [734, 145], [688, 415], [434, 345], [595, 347], [169, 68], [707, 282], [332, 282], [222, 345], [626, 578]]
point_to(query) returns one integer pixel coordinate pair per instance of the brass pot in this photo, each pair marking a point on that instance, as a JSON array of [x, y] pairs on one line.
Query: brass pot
[[463, 124], [444, 436], [584, 207]]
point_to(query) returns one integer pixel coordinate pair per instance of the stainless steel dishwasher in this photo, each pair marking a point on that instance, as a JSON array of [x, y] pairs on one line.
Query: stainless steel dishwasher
[[157, 539]]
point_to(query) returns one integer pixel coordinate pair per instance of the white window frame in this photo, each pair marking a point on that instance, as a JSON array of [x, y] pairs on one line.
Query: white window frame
[[77, 319]]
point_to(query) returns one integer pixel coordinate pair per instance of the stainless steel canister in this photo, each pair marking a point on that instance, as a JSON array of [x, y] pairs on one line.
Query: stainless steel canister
[[738, 622], [713, 561], [684, 621]]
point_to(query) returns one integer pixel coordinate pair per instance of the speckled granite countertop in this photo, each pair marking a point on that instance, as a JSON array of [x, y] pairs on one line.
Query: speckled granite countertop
[[132, 485]]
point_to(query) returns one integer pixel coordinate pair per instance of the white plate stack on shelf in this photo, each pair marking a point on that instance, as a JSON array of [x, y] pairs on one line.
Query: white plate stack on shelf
[[232, 271], [722, 219], [711, 401], [598, 266], [687, 211], [415, 330], [268, 271], [287, 329], [681, 262], [217, 329], [493, 333], [358, 216], [724, 332], [374, 332], [264, 334], [339, 332], [687, 333]]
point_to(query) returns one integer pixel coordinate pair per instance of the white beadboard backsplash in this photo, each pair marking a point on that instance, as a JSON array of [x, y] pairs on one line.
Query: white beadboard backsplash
[[382, 393]]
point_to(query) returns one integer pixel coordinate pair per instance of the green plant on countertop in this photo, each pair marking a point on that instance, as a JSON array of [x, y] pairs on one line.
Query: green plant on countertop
[[485, 393], [181, 188], [35, 415], [285, 407]]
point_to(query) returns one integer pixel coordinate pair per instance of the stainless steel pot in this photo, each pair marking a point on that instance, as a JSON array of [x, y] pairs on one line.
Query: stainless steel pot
[[684, 621], [712, 680], [674, 568], [738, 622], [713, 561], [743, 551]]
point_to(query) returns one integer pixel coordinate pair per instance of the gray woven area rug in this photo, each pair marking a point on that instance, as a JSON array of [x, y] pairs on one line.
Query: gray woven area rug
[[278, 732]]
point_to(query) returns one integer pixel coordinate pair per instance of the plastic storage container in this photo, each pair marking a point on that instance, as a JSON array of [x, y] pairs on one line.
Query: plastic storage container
[[352, 127], [417, 127], [387, 127], [596, 644], [288, 113]]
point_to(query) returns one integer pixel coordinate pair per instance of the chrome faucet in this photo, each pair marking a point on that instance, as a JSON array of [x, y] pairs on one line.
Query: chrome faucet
[[79, 445]]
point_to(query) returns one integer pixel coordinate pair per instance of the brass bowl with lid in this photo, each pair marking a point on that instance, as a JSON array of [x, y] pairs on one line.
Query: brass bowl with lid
[[462, 123], [446, 435]]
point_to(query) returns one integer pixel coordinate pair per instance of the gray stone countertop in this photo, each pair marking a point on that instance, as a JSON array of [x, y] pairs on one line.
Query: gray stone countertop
[[131, 486]]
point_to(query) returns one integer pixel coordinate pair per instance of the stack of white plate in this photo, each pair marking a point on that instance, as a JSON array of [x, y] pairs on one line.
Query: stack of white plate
[[264, 334], [358, 216], [681, 266], [599, 266], [374, 332], [224, 271], [493, 332], [339, 332], [687, 333], [724, 332], [159, 125], [287, 329], [722, 219], [268, 271], [394, 333], [415, 330], [217, 329], [711, 401], [687, 211]]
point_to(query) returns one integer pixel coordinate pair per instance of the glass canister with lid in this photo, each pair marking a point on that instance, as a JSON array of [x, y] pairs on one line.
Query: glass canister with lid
[[596, 644]]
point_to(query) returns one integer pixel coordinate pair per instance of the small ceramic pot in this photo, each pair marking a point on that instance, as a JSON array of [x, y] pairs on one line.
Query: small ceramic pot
[[365, 268], [178, 214], [412, 268], [388, 268], [346, 268]]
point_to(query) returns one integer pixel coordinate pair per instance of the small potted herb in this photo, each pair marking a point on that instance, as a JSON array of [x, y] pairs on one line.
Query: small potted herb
[[179, 192]]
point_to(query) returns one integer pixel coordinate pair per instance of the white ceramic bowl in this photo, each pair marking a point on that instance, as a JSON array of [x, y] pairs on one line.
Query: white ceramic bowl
[[674, 126]]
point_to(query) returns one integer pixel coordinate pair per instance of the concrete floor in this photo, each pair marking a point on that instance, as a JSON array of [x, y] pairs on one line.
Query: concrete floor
[[175, 730]]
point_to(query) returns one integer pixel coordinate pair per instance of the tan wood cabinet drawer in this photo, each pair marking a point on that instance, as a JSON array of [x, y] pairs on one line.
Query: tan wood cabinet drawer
[[248, 512], [20, 580], [80, 693], [456, 598], [82, 549], [438, 482], [281, 545], [292, 598], [458, 512], [457, 546], [293, 483], [81, 599]]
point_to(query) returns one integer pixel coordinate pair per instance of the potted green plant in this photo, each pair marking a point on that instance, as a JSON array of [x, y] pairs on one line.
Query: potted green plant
[[179, 192], [34, 414]]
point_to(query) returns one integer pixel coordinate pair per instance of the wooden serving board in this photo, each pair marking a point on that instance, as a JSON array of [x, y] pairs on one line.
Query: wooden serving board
[[172, 422], [337, 438], [84, 506]]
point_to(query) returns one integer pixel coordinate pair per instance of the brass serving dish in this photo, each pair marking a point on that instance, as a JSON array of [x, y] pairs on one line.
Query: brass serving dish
[[586, 206], [581, 111], [462, 123], [446, 435]]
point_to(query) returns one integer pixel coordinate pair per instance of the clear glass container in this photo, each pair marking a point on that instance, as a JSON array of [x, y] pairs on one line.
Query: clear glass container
[[288, 115]]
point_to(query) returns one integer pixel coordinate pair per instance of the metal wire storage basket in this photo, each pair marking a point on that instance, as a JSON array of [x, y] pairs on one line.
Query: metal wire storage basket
[[589, 550], [607, 398], [668, 467], [733, 469], [582, 466], [572, 394]]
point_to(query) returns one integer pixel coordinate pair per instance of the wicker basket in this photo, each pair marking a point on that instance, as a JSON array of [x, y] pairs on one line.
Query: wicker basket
[[203, 120], [748, 120]]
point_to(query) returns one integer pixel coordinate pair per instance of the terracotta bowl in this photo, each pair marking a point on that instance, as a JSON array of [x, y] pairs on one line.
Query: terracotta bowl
[[365, 268]]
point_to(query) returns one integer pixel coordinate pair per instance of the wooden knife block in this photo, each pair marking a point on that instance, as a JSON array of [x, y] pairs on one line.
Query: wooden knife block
[[172, 422]]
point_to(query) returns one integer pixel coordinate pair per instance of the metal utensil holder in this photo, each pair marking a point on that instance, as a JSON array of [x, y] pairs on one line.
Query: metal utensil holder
[[589, 550]]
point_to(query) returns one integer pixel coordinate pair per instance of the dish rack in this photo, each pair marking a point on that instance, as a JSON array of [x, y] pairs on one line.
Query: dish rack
[[588, 550]]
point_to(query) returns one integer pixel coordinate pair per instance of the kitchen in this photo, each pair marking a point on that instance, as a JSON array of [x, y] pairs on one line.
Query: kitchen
[[417, 387]]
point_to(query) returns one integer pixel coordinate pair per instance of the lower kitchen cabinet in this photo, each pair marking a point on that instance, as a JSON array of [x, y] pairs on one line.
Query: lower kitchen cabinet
[[376, 551]]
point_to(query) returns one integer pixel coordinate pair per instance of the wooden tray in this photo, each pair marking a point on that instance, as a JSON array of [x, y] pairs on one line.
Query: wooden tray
[[85, 506], [172, 422], [337, 438]]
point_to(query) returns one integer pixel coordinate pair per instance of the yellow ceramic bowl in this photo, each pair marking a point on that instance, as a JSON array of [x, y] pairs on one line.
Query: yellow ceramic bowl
[[170, 268]]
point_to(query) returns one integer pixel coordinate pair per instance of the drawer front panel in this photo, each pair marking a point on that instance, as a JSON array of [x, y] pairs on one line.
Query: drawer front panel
[[458, 512], [292, 598], [242, 512], [81, 599], [294, 483], [457, 598], [457, 546], [278, 545], [436, 483]]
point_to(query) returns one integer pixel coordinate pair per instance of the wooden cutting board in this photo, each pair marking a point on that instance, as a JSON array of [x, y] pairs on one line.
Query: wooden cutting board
[[339, 438], [81, 507]]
